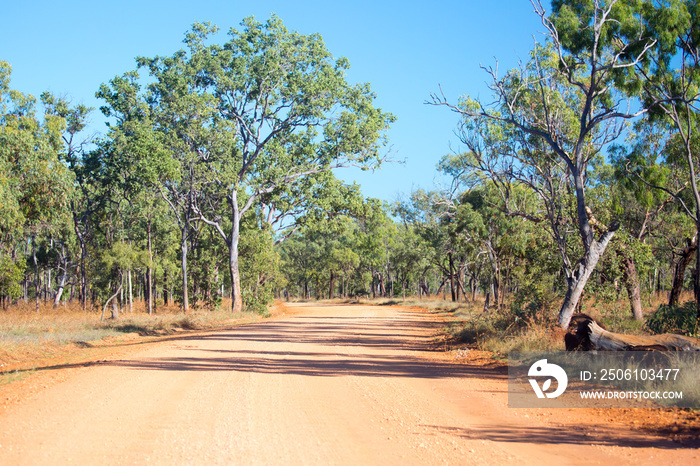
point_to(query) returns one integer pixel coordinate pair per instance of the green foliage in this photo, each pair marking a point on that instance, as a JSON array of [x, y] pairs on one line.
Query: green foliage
[[35, 186], [260, 270], [535, 302], [682, 319], [11, 274], [206, 270], [113, 263], [222, 130]]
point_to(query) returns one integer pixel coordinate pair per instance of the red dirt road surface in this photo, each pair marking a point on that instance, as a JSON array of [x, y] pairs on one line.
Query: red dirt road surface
[[329, 384]]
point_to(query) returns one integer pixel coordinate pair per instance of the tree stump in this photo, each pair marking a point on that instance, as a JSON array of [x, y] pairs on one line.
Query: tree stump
[[586, 334]]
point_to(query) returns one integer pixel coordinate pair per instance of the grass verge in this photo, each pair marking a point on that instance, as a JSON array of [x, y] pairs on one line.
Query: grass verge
[[508, 329], [27, 336]]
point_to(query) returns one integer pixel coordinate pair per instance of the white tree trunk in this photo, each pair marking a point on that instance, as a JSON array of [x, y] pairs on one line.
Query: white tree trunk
[[236, 299], [583, 272], [131, 295]]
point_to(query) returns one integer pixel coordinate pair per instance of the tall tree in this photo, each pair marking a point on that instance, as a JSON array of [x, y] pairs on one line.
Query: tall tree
[[671, 88], [149, 154], [293, 115], [574, 102], [75, 146], [35, 185]]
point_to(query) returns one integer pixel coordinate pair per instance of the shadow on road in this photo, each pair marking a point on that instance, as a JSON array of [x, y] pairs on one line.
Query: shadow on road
[[604, 436], [316, 364], [342, 342]]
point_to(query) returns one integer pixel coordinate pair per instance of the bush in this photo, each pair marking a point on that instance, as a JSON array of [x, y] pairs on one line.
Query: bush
[[260, 269], [681, 319], [508, 330], [535, 304], [257, 301], [473, 330], [10, 278]]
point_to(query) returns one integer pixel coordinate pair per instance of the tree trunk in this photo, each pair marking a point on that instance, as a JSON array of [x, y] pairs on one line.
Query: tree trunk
[[36, 274], [633, 291], [496, 287], [631, 279], [83, 275], [679, 271], [154, 290], [461, 275], [452, 277], [131, 295], [62, 282], [166, 293], [149, 272], [332, 285], [47, 285], [83, 259], [577, 282], [59, 292], [441, 289], [696, 278], [236, 299], [185, 295], [104, 309]]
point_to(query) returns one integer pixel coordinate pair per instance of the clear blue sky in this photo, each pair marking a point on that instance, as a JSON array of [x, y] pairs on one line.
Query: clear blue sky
[[404, 49]]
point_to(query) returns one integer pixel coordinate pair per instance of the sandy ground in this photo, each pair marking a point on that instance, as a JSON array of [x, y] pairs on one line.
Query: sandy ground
[[327, 384]]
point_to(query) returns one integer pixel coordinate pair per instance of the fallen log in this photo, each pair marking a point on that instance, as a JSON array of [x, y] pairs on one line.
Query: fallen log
[[586, 334]]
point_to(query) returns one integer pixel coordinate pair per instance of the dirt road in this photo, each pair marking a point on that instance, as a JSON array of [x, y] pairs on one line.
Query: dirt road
[[326, 385]]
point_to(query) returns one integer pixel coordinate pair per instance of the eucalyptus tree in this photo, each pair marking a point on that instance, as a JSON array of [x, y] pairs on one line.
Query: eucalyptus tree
[[249, 123], [320, 253], [199, 142], [410, 259], [35, 187], [316, 230], [374, 240], [658, 196], [485, 230], [156, 145], [74, 153], [574, 102], [299, 262], [431, 215], [651, 218], [672, 88], [312, 199], [293, 115]]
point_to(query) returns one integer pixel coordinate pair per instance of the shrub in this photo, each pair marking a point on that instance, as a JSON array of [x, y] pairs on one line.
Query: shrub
[[534, 303], [681, 319]]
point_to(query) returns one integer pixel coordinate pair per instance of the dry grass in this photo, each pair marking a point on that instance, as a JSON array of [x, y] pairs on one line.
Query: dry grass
[[617, 316], [26, 334], [503, 331]]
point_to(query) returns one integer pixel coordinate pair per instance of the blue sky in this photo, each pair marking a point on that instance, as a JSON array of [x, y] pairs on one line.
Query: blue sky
[[404, 49]]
